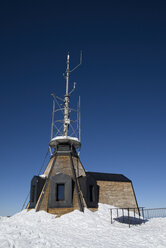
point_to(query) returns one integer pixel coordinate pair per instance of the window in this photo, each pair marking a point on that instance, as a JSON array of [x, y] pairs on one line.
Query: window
[[60, 195], [91, 193]]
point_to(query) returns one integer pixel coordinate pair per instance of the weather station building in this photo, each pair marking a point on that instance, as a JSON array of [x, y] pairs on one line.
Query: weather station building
[[65, 185]]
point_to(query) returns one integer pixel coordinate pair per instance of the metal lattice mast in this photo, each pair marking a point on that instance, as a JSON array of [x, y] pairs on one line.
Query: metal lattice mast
[[65, 116]]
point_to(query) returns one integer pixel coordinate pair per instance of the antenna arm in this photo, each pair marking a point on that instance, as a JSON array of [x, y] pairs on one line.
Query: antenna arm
[[78, 64], [74, 86], [75, 68], [54, 96]]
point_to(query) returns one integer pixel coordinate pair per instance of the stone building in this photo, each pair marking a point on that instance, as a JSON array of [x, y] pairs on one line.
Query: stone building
[[65, 185]]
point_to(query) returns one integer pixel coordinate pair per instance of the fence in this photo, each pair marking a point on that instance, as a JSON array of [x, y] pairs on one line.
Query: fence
[[154, 213], [130, 216], [134, 216]]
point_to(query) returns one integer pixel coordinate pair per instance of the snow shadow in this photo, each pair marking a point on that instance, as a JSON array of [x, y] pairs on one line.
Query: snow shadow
[[130, 220]]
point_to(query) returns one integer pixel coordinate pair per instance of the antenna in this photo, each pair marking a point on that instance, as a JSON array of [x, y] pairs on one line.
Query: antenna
[[74, 86], [67, 95], [65, 115], [78, 64]]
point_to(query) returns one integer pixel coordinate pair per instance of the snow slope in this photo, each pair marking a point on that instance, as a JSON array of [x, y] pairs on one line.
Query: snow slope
[[42, 230]]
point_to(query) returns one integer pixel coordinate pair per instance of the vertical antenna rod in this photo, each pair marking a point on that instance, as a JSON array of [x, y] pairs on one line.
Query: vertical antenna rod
[[67, 99], [67, 96], [67, 75]]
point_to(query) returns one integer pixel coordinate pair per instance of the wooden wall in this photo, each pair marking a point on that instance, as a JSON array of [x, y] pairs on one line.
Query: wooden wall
[[118, 194]]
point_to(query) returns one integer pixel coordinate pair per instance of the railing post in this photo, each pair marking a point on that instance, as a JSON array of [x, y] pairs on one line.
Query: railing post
[[123, 214], [143, 215], [111, 215], [139, 209], [129, 217]]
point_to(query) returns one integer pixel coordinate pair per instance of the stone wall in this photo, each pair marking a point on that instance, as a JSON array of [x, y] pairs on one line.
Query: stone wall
[[62, 165], [118, 194]]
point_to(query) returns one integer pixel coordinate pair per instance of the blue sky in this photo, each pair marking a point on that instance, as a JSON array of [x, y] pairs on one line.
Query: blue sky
[[121, 83]]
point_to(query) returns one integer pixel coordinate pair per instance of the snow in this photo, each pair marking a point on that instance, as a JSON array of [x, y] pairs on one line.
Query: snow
[[42, 176], [60, 139], [89, 229], [64, 138]]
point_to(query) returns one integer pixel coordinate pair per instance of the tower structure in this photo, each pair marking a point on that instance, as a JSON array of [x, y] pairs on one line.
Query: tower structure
[[58, 190], [65, 129], [65, 185]]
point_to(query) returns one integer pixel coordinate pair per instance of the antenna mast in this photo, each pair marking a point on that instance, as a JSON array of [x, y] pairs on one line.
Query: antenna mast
[[67, 100], [60, 125], [67, 96]]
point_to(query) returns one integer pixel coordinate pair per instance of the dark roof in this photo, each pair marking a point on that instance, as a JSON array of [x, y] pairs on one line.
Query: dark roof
[[108, 177]]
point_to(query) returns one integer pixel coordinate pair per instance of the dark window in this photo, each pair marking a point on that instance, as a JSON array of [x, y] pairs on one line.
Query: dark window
[[91, 193], [60, 192], [33, 193]]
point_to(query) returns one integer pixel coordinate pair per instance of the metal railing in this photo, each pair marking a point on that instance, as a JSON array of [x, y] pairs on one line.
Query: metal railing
[[130, 216], [135, 216], [154, 213]]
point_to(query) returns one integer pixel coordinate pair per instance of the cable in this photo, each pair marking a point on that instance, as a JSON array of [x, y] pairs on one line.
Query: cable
[[43, 161], [25, 201], [38, 175]]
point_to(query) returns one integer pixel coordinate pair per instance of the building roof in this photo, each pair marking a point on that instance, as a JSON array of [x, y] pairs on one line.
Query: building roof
[[98, 176]]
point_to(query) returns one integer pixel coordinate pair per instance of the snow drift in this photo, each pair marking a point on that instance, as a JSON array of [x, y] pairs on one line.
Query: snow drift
[[76, 229]]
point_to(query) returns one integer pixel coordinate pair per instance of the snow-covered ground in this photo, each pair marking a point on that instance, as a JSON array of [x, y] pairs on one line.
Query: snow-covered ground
[[42, 230]]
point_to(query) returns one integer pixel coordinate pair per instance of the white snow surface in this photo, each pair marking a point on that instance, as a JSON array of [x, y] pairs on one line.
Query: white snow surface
[[64, 137], [42, 176], [78, 230]]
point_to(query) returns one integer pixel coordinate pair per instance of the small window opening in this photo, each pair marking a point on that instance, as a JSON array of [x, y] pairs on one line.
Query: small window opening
[[33, 193], [60, 192], [91, 193]]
